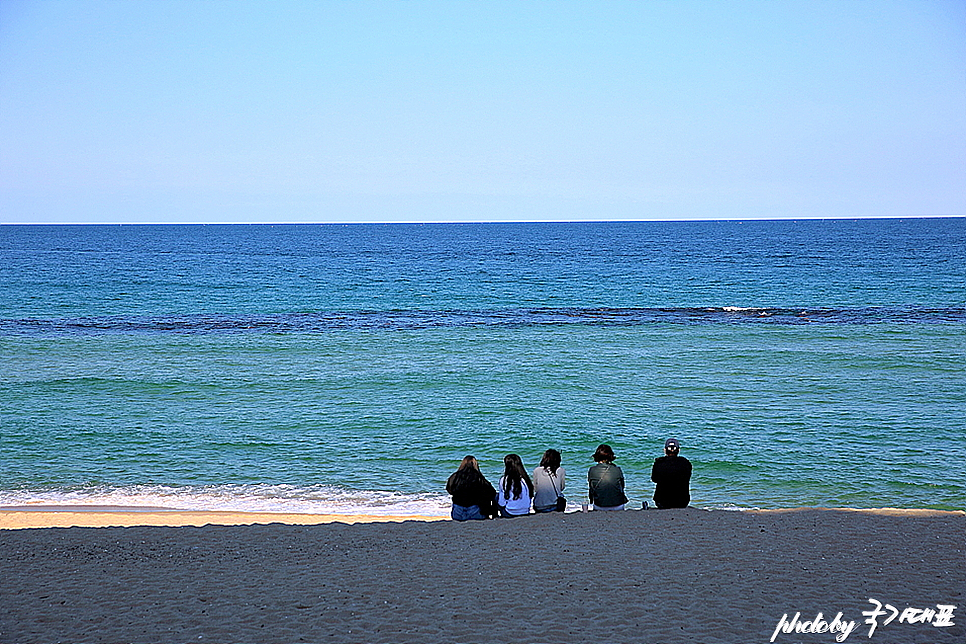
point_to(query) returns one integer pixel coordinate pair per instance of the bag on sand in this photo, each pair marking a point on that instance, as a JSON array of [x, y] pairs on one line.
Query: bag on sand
[[561, 504]]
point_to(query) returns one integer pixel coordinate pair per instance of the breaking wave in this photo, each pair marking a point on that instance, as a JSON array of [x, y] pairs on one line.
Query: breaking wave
[[323, 321]]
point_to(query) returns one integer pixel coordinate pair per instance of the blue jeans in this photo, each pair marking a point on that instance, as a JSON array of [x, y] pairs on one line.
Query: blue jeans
[[506, 515], [466, 513]]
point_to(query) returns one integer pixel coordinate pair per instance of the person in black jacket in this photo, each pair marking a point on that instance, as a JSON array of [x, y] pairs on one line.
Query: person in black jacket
[[473, 496], [672, 475]]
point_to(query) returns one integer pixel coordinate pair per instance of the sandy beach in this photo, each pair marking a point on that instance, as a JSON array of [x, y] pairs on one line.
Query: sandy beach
[[636, 576]]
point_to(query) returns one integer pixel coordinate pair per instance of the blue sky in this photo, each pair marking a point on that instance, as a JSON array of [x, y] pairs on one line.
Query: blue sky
[[209, 111]]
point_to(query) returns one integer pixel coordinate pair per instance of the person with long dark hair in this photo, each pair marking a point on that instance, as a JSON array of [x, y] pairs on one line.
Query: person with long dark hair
[[606, 481], [473, 496], [549, 480], [515, 489]]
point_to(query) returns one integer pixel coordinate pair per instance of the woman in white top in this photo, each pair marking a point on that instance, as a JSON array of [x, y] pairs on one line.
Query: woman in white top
[[515, 490], [548, 482]]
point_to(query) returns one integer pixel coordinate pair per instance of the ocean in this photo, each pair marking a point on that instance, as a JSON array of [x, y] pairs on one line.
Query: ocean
[[349, 368]]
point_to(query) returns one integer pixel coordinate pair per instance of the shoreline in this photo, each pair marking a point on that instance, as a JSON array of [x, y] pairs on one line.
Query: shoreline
[[12, 518], [100, 516]]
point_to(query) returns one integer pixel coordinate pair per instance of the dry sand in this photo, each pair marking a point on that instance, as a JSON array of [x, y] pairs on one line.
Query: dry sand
[[636, 576]]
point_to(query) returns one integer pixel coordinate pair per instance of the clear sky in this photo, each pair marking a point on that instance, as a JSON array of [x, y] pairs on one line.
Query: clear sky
[[207, 111]]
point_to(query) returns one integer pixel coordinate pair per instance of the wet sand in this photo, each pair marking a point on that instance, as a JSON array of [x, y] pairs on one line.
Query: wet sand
[[117, 516]]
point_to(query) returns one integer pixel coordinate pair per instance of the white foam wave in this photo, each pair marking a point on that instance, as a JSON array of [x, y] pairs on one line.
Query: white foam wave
[[728, 507], [240, 498]]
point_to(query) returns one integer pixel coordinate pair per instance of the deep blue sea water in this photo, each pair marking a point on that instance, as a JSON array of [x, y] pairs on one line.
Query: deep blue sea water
[[326, 368]]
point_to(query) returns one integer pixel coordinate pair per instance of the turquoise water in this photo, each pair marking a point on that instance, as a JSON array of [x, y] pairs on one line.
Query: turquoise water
[[349, 368]]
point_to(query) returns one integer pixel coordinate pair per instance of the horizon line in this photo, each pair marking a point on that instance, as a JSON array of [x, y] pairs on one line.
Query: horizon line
[[472, 221]]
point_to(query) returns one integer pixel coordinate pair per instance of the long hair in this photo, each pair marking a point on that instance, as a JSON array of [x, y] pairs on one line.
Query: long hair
[[551, 460], [514, 474], [468, 472]]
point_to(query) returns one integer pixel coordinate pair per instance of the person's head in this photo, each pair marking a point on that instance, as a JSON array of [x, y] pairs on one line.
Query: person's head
[[469, 462], [604, 454], [551, 460], [513, 463], [514, 475], [672, 447], [468, 473]]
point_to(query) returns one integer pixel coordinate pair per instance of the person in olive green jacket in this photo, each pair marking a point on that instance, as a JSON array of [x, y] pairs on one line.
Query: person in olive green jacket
[[606, 481]]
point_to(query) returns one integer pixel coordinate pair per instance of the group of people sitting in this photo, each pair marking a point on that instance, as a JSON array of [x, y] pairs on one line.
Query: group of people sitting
[[475, 498]]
